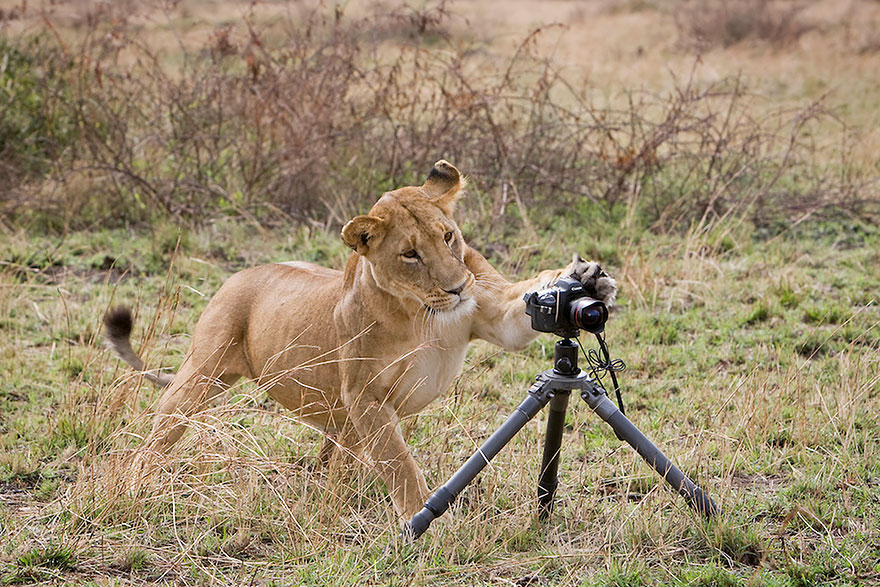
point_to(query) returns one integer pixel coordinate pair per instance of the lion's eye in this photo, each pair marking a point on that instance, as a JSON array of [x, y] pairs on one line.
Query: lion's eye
[[411, 254], [448, 236]]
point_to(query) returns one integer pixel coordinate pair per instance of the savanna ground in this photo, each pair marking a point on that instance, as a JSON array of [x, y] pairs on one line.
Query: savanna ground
[[718, 158]]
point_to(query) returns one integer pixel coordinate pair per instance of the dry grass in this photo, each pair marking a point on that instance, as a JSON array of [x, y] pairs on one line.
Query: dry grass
[[756, 374]]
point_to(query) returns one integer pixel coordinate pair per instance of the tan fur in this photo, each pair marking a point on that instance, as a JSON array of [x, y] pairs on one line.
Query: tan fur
[[352, 352]]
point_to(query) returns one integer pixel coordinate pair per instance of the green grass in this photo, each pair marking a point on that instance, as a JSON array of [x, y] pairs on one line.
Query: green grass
[[754, 366]]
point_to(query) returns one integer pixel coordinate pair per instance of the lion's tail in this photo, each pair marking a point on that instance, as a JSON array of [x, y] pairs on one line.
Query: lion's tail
[[117, 328]]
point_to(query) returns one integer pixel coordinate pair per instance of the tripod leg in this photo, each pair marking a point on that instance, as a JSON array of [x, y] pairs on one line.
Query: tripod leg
[[695, 497], [441, 499], [552, 445]]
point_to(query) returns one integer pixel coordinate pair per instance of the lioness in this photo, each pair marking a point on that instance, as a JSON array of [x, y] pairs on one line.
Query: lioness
[[352, 352]]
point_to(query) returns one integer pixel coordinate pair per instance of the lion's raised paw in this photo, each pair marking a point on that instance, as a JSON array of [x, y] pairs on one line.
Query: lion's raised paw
[[597, 283]]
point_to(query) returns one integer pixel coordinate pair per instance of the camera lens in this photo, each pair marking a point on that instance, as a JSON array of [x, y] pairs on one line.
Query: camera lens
[[589, 314]]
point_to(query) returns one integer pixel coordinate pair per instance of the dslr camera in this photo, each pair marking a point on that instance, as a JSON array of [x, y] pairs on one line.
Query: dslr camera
[[565, 308]]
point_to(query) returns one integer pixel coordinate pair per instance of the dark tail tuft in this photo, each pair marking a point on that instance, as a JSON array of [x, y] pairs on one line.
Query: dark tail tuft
[[118, 323]]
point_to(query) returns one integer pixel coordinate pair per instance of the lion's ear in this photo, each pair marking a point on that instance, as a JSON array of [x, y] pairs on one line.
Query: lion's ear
[[444, 185], [360, 231]]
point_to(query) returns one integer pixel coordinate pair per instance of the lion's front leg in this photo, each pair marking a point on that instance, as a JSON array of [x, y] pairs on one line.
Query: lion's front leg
[[378, 427], [501, 312]]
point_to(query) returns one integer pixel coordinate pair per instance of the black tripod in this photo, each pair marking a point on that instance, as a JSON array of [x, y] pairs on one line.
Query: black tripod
[[554, 386]]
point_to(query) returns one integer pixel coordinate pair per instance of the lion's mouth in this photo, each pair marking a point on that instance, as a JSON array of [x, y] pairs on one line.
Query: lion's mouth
[[460, 304]]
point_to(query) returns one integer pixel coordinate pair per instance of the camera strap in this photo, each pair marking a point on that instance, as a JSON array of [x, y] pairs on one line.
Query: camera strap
[[600, 364]]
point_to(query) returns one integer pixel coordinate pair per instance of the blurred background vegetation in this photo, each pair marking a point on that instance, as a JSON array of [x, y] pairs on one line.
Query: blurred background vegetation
[[124, 114]]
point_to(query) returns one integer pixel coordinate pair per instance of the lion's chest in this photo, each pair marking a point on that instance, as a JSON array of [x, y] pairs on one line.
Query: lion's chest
[[426, 375]]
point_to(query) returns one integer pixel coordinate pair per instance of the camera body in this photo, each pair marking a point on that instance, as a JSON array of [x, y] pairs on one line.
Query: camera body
[[565, 308]]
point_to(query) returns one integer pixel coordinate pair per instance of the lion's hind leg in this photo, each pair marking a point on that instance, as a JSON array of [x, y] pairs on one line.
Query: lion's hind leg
[[195, 385], [188, 394]]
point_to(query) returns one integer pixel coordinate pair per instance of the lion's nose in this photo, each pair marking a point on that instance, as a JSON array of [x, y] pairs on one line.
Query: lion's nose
[[456, 290]]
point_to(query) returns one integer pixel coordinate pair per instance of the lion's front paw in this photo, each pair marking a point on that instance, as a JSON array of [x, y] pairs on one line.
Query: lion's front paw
[[598, 284]]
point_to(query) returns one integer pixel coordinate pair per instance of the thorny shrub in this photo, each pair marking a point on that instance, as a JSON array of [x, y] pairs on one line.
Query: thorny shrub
[[313, 126]]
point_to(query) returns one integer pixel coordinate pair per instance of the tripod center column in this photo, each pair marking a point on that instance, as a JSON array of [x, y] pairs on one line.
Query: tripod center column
[[565, 360]]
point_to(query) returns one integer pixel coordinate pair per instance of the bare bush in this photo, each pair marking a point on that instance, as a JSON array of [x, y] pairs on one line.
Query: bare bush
[[312, 128]]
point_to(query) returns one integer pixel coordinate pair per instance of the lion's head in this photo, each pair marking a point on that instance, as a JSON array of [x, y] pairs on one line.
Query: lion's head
[[413, 245]]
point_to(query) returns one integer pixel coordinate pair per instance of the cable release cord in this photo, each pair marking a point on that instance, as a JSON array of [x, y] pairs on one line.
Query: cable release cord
[[602, 364]]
